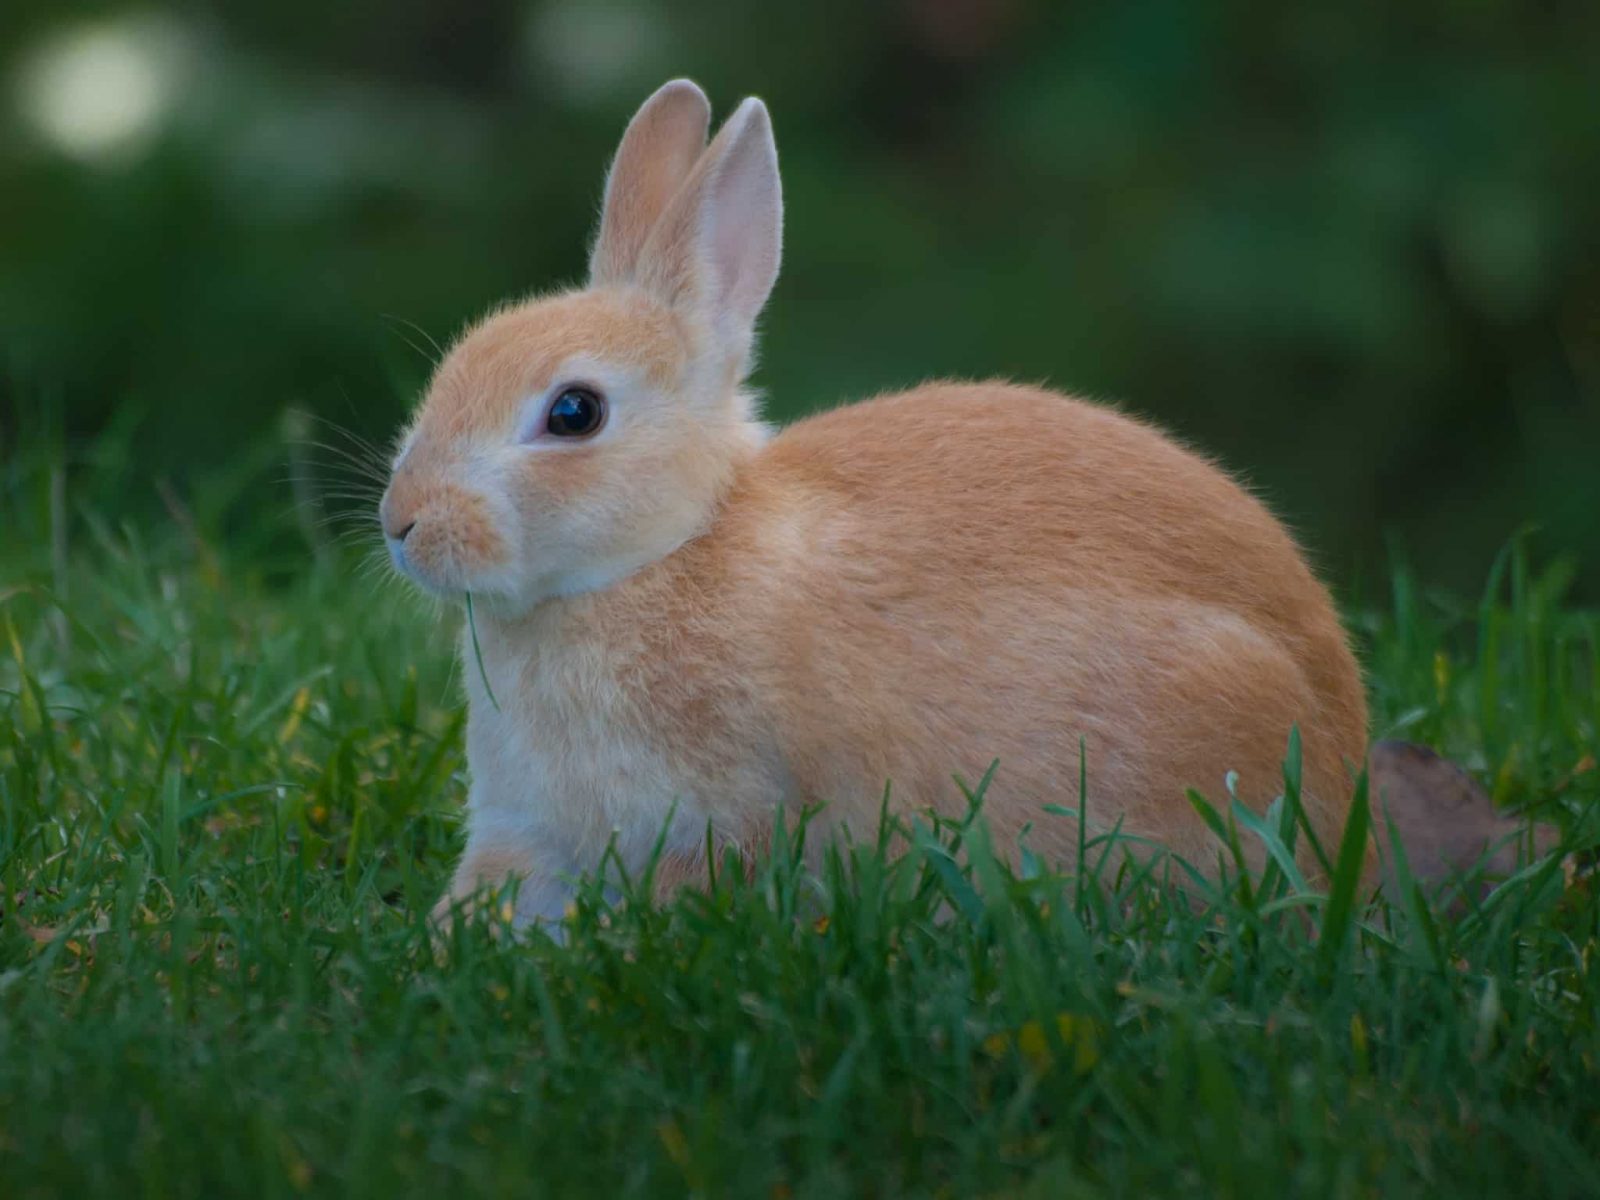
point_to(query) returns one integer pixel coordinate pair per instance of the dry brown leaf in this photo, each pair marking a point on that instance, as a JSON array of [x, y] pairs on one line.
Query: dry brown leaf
[[1446, 820]]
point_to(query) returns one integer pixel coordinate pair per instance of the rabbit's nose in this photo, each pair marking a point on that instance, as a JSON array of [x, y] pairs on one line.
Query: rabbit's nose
[[397, 517]]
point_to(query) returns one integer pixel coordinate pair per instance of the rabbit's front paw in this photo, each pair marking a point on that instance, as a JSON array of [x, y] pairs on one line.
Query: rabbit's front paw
[[509, 892]]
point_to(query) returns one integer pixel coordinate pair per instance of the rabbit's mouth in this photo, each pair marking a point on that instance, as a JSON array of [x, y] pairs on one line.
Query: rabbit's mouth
[[397, 556], [441, 573], [435, 581]]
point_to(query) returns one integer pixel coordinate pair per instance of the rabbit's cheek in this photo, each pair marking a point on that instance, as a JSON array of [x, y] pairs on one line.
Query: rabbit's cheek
[[554, 481], [550, 502]]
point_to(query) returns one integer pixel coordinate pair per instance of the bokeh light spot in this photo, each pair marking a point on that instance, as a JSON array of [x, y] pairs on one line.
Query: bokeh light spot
[[100, 92]]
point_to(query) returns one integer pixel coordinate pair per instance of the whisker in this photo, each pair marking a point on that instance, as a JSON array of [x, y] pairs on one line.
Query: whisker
[[360, 488], [345, 432], [359, 449], [353, 508], [438, 351], [365, 499], [344, 459]]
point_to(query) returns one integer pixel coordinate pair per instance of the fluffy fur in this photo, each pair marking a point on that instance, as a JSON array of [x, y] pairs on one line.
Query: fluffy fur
[[684, 611]]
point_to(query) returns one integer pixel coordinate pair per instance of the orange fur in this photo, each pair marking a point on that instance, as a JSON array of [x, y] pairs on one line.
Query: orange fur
[[684, 612]]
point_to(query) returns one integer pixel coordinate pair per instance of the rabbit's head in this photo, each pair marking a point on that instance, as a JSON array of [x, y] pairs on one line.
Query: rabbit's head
[[570, 440]]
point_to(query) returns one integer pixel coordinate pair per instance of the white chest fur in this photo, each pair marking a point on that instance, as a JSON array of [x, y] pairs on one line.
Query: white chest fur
[[561, 762]]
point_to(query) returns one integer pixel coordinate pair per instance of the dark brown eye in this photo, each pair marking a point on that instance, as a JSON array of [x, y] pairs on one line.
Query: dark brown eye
[[578, 412]]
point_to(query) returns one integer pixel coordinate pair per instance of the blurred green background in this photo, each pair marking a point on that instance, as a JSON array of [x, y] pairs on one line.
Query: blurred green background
[[1354, 251]]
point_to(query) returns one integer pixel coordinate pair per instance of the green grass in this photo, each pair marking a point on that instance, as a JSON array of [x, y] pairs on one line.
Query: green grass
[[227, 802]]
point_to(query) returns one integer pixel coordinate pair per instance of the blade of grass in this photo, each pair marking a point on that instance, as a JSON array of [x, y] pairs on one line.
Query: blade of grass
[[1281, 854], [477, 653], [1340, 913]]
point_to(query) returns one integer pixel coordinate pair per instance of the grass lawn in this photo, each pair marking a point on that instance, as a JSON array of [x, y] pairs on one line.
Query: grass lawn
[[227, 801]]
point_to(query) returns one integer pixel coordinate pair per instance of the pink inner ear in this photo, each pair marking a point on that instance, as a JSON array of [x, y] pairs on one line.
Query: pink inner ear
[[744, 236], [741, 223]]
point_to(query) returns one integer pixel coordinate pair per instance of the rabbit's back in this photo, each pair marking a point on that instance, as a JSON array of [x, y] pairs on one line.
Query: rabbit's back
[[960, 573], [994, 485]]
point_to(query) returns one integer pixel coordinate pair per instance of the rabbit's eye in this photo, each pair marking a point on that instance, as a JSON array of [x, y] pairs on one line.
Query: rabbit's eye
[[578, 412]]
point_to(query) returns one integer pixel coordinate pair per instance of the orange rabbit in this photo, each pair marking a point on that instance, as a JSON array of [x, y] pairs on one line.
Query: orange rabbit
[[677, 606]]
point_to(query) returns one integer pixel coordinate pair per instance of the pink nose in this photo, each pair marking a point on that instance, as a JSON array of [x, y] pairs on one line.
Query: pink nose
[[396, 517]]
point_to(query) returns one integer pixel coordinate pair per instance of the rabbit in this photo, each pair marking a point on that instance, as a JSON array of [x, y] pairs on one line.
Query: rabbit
[[691, 626]]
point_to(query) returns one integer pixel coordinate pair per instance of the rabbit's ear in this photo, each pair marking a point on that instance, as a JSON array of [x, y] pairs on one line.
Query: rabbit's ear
[[658, 151], [716, 248]]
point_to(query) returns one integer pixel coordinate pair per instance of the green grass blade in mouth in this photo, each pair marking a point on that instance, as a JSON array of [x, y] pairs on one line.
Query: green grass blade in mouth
[[477, 653]]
